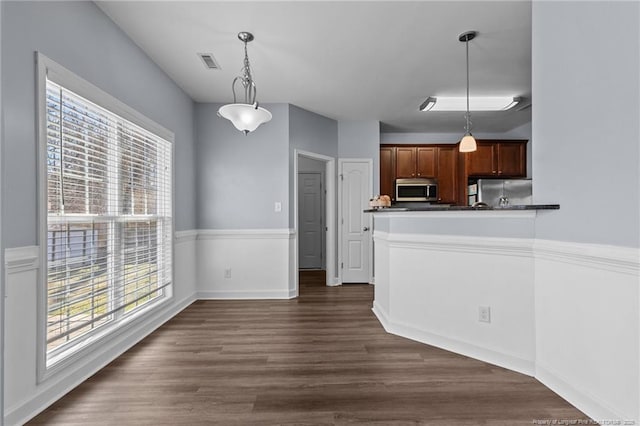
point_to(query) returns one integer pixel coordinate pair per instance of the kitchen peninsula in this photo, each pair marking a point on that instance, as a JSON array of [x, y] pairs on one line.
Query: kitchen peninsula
[[460, 278]]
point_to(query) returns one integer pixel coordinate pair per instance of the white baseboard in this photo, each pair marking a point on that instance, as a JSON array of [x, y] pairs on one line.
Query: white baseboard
[[587, 403], [492, 357], [245, 295]]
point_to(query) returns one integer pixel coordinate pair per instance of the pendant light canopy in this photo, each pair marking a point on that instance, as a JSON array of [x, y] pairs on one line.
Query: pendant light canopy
[[468, 142], [246, 116]]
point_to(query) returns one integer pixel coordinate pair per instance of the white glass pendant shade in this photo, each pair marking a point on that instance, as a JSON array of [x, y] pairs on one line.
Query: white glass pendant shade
[[245, 117], [468, 143]]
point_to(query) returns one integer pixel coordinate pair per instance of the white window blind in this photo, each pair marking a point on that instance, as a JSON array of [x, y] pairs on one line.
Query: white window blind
[[109, 218]]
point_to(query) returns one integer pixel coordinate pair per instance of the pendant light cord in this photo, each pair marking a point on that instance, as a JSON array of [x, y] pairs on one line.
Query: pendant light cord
[[468, 129]]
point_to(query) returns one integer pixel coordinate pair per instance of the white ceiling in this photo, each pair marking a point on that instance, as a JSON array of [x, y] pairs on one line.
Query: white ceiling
[[351, 60]]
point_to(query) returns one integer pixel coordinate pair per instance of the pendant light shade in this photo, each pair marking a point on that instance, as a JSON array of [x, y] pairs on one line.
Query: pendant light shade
[[468, 142], [246, 116]]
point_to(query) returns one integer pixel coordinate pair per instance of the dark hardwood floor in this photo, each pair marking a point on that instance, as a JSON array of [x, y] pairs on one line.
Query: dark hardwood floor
[[320, 359]]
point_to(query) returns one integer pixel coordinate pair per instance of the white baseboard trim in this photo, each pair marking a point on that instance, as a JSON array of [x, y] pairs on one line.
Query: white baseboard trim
[[454, 243], [590, 405], [28, 409], [217, 234], [21, 259], [245, 295], [625, 260], [487, 355], [185, 236]]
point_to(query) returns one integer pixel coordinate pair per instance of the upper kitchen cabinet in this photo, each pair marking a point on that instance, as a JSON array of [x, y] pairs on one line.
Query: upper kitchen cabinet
[[415, 162], [498, 159], [388, 171], [447, 174]]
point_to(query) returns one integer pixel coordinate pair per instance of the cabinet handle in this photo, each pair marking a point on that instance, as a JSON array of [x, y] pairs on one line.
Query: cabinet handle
[[493, 172], [499, 172], [418, 174]]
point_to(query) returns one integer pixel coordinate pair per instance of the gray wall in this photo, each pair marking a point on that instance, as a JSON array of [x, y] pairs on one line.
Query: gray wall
[[361, 139], [239, 178], [309, 132], [585, 120], [81, 38]]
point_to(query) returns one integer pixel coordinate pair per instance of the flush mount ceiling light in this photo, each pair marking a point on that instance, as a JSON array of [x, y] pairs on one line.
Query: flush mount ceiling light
[[468, 142], [486, 103], [246, 116]]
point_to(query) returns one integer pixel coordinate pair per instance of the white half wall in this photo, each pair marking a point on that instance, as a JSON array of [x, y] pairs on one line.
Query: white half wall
[[246, 264], [566, 313], [24, 396], [587, 326], [429, 288]]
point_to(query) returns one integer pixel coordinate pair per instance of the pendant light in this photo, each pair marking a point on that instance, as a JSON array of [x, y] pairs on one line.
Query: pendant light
[[246, 116], [468, 142]]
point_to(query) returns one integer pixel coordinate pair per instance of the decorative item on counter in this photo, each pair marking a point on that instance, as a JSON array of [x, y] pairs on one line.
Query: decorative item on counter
[[380, 201]]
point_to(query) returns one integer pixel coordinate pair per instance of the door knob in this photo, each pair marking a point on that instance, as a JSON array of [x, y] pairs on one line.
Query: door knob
[[365, 229]]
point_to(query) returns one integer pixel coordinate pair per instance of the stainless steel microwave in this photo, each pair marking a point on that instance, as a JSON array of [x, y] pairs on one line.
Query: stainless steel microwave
[[419, 189]]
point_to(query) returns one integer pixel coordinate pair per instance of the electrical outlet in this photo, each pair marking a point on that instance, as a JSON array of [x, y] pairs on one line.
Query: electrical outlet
[[227, 273], [484, 314], [277, 207]]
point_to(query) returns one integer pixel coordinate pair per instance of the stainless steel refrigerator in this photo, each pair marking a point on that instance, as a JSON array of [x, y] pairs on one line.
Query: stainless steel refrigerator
[[512, 191]]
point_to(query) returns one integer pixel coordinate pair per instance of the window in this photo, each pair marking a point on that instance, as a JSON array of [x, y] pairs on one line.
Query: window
[[109, 220]]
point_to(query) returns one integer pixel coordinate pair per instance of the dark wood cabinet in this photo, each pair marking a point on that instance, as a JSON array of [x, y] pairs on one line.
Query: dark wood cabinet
[[426, 162], [482, 162], [405, 162], [388, 172], [447, 174], [512, 159], [416, 162], [498, 159]]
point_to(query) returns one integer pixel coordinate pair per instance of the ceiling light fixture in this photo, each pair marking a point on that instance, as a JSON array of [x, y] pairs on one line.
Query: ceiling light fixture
[[481, 103], [468, 142], [246, 116]]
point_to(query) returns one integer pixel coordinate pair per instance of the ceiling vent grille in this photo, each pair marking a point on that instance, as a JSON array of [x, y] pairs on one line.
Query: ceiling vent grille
[[209, 61]]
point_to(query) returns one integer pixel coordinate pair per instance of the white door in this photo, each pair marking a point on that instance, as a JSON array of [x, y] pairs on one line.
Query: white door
[[310, 223], [356, 234]]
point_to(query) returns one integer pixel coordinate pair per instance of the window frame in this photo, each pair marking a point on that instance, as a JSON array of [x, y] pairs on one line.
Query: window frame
[[92, 344]]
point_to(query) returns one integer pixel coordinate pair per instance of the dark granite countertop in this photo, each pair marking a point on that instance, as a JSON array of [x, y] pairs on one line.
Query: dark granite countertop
[[437, 208]]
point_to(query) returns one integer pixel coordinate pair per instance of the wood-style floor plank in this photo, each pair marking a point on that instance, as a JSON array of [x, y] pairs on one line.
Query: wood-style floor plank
[[321, 359]]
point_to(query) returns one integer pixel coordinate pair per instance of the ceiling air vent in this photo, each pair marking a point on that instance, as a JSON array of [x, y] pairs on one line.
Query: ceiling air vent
[[209, 61]]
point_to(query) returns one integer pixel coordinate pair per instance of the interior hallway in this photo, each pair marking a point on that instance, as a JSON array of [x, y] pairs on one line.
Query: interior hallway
[[322, 358]]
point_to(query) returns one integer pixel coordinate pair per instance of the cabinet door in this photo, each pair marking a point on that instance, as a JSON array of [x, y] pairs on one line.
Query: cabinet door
[[482, 162], [448, 174], [388, 171], [512, 159], [426, 162], [405, 162]]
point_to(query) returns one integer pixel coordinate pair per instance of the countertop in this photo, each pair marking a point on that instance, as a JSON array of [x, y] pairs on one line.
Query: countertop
[[437, 208]]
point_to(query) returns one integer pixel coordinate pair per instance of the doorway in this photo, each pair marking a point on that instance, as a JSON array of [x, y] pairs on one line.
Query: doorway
[[315, 230]]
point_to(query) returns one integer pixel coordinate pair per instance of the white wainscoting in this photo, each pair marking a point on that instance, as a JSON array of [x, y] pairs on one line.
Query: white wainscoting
[[24, 396], [566, 313], [246, 264], [588, 326], [433, 286]]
